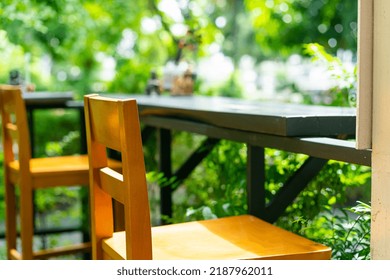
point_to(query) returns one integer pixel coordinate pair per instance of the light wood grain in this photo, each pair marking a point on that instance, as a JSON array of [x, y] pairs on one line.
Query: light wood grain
[[365, 75], [380, 198]]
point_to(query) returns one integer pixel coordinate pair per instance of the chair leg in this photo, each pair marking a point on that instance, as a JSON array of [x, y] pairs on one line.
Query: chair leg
[[86, 222], [11, 231], [26, 222]]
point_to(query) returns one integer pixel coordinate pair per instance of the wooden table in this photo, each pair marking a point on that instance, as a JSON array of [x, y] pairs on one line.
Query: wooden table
[[252, 116], [311, 130], [47, 99], [306, 129]]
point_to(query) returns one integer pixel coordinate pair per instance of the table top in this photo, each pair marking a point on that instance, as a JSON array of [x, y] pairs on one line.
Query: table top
[[283, 119], [47, 98]]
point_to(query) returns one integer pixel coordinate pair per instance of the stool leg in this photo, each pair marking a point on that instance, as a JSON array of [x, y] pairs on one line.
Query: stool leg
[[26, 222], [11, 232]]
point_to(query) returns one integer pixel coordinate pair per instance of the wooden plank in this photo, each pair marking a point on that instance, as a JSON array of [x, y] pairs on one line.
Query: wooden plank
[[255, 116], [48, 99], [380, 199], [365, 70], [322, 147]]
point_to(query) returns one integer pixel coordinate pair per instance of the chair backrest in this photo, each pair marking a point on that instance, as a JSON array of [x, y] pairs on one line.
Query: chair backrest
[[114, 124], [15, 132]]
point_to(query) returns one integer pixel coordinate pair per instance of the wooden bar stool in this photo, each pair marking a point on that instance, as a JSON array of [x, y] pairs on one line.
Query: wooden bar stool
[[114, 124], [30, 174]]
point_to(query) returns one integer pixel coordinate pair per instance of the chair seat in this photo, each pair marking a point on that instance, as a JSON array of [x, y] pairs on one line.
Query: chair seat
[[55, 171], [239, 237]]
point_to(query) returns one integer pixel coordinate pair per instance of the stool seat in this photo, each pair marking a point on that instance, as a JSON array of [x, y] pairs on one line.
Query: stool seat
[[232, 238]]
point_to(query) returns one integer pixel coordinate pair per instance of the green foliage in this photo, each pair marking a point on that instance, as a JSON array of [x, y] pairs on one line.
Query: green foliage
[[57, 142], [216, 187], [343, 93], [3, 254], [76, 35], [279, 166], [281, 27], [130, 77], [346, 231], [64, 140], [82, 38], [56, 200], [232, 88], [65, 146], [337, 184]]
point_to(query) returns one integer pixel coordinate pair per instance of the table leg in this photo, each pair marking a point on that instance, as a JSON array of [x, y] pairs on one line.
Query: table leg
[[83, 136], [256, 181], [30, 120], [164, 139]]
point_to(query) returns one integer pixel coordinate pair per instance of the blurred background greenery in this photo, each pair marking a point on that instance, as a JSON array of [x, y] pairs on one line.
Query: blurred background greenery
[[292, 50], [101, 45]]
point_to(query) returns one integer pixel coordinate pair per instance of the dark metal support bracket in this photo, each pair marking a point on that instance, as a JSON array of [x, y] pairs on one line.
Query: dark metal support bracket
[[196, 157], [291, 189], [256, 193], [164, 139]]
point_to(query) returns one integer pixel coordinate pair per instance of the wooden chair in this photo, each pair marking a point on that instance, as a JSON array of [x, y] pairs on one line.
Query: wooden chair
[[30, 174], [114, 124]]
